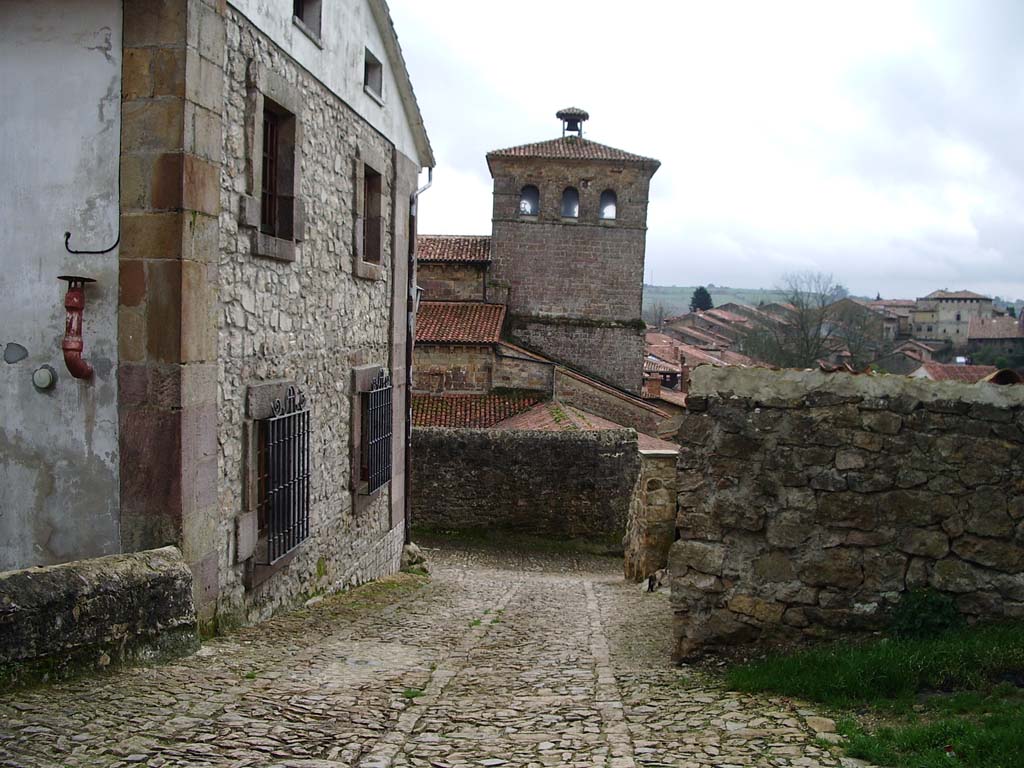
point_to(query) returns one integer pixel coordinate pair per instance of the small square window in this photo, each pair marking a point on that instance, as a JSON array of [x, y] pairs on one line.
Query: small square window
[[373, 75], [307, 12]]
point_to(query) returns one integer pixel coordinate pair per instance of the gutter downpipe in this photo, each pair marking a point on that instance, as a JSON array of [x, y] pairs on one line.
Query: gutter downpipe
[[410, 338]]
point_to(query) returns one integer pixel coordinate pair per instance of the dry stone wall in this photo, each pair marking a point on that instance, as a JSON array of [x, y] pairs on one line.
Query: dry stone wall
[[564, 484], [810, 503], [651, 527]]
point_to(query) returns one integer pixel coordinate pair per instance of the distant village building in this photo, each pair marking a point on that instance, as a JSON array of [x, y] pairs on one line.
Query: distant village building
[[238, 183], [946, 316], [999, 336]]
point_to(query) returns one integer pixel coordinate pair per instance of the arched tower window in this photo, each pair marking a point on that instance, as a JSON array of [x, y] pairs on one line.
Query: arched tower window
[[571, 203], [609, 204], [529, 201]]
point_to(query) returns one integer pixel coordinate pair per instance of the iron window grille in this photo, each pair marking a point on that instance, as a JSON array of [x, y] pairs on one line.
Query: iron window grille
[[284, 472], [269, 195], [375, 451]]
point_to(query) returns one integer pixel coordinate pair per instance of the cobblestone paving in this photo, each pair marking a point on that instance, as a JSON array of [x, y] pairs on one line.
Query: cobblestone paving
[[501, 660]]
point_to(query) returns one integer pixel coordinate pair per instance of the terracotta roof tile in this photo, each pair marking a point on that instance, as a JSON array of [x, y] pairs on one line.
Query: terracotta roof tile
[[966, 373], [555, 416], [654, 364], [956, 295], [468, 411], [571, 148], [459, 322], [995, 328], [474, 249]]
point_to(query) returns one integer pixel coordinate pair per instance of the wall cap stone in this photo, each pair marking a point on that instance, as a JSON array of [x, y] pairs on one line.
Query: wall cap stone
[[776, 386]]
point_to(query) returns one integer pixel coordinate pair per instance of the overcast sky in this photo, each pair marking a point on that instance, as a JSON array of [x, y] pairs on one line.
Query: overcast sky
[[882, 142]]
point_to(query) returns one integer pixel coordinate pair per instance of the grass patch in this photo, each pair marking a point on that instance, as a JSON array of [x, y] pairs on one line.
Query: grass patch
[[913, 702], [889, 670], [413, 693]]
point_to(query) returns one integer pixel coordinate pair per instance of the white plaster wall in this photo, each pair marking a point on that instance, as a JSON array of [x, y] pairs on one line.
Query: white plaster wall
[[347, 28], [59, 141]]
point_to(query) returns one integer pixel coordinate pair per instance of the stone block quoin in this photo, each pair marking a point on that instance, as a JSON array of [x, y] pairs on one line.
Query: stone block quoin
[[172, 97]]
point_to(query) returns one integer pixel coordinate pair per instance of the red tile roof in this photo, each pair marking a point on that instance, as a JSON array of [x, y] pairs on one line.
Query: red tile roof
[[571, 148], [654, 364], [956, 295], [468, 411], [459, 322], [945, 372], [995, 328], [470, 249], [555, 416]]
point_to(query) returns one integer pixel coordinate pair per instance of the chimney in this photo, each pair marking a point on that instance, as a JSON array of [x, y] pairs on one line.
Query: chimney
[[652, 386]]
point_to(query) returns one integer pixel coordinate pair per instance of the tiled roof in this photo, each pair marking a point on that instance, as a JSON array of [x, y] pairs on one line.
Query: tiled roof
[[459, 322], [653, 364], [554, 416], [995, 328], [729, 317], [966, 373], [454, 248], [571, 148], [956, 295], [468, 411]]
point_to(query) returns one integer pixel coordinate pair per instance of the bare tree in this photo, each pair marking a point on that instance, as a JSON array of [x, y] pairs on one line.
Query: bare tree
[[655, 314], [807, 333]]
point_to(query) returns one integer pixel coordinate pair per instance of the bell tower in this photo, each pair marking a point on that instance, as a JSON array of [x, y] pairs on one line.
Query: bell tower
[[569, 231]]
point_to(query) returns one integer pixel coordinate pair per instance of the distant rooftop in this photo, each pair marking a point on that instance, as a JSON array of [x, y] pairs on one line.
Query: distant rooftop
[[572, 148], [468, 411], [468, 249], [459, 322], [957, 295]]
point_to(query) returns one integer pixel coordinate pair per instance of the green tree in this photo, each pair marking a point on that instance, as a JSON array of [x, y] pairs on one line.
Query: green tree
[[701, 299], [1011, 310]]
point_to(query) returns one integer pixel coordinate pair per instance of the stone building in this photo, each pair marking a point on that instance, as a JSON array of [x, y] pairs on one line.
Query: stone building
[[946, 316], [568, 240], [236, 385]]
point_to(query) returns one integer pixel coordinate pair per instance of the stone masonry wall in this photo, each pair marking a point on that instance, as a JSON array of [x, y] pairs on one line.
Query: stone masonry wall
[[452, 368], [93, 614], [606, 402], [612, 352], [562, 484], [809, 503], [309, 321], [651, 527], [451, 282]]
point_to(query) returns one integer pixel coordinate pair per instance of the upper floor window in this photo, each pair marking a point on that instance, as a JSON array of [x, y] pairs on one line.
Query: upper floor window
[[308, 13], [570, 203], [529, 201], [373, 75], [277, 177], [372, 215], [609, 205]]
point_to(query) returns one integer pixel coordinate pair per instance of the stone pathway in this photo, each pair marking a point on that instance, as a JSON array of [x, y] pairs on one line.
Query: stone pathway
[[515, 659]]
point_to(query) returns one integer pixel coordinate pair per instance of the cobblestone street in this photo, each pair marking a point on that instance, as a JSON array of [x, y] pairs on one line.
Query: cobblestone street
[[500, 660]]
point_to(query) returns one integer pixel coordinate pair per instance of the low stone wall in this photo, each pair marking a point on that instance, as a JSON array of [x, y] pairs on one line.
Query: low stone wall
[[651, 527], [809, 503], [566, 484], [91, 614]]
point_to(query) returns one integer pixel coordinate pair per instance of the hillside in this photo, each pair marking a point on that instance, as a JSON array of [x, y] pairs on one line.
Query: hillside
[[676, 299]]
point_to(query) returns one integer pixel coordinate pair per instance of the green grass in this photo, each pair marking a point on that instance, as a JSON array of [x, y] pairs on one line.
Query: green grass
[[413, 693], [986, 731], [889, 671], [909, 700]]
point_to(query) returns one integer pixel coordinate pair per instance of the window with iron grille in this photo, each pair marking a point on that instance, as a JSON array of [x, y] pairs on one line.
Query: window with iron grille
[[283, 477], [375, 447]]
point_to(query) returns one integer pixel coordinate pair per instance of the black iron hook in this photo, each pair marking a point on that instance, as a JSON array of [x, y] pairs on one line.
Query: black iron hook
[[69, 249]]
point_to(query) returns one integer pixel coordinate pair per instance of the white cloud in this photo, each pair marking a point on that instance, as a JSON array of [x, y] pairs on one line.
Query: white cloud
[[878, 141]]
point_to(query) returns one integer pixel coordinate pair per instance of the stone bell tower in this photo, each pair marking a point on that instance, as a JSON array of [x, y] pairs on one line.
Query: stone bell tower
[[567, 244]]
